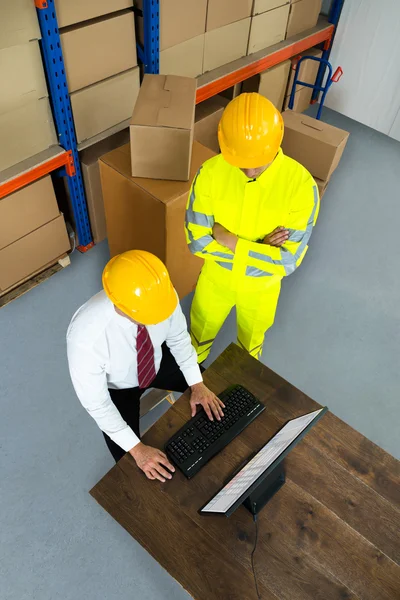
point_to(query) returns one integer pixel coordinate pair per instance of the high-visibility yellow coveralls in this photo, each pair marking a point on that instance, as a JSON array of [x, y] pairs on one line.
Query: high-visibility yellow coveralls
[[283, 195]]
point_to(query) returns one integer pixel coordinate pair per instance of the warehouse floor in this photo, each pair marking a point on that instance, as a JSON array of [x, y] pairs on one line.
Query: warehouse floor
[[336, 337]]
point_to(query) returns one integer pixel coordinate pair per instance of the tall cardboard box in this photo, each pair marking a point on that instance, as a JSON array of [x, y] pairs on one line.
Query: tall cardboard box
[[27, 209], [271, 83], [316, 145], [185, 59], [70, 12], [268, 28], [89, 159], [21, 70], [99, 49], [28, 130], [224, 12], [207, 117], [161, 128], [225, 44], [303, 15], [18, 23], [180, 20], [149, 214], [33, 252], [102, 105]]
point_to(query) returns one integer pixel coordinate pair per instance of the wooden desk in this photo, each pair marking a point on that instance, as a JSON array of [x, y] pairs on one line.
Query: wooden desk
[[330, 533]]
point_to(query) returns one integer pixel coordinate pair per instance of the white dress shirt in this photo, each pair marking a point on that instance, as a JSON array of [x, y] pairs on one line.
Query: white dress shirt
[[101, 347]]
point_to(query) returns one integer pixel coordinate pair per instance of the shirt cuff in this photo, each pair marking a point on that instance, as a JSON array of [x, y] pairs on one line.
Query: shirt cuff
[[192, 375], [125, 438]]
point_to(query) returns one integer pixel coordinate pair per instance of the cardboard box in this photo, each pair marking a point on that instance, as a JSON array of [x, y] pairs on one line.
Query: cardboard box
[[33, 251], [316, 145], [302, 99], [89, 159], [303, 15], [261, 6], [70, 12], [308, 69], [28, 130], [26, 210], [19, 23], [224, 12], [104, 104], [161, 128], [99, 50], [180, 20], [149, 214], [271, 83], [21, 68], [185, 59], [322, 185], [207, 117], [268, 29], [223, 45]]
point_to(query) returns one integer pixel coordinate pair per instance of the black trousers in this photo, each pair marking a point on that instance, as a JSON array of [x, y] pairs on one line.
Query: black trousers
[[127, 401]]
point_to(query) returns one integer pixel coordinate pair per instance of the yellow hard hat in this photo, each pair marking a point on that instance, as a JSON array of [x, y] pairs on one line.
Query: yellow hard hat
[[138, 283], [250, 131]]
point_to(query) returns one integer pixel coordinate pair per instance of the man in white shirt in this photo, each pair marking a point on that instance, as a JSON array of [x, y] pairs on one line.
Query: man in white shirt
[[125, 339]]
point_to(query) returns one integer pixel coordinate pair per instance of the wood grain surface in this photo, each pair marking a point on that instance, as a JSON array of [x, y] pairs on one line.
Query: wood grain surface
[[330, 533]]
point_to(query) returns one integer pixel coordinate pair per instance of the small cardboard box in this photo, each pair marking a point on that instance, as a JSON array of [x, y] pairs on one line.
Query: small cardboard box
[[26, 210], [185, 59], [32, 252], [271, 83], [70, 12], [261, 6], [102, 105], [161, 128], [98, 50], [180, 20], [302, 99], [308, 69], [316, 145], [268, 28], [19, 23], [28, 130], [303, 15], [149, 214], [224, 12], [228, 43], [207, 117], [89, 159], [21, 68]]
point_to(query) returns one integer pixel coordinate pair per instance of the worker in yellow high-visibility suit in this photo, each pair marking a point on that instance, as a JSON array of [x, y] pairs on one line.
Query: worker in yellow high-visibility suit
[[250, 214]]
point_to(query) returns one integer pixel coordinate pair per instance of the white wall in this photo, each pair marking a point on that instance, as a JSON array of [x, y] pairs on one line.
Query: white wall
[[367, 47]]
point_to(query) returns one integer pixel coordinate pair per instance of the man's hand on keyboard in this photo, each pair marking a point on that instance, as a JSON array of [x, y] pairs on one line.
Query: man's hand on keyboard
[[153, 462], [208, 400]]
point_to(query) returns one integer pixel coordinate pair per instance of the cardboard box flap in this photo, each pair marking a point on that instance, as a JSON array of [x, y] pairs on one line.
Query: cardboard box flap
[[315, 129], [164, 102]]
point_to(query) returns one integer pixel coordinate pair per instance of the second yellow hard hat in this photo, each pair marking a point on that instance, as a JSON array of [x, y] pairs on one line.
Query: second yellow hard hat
[[138, 283], [250, 131]]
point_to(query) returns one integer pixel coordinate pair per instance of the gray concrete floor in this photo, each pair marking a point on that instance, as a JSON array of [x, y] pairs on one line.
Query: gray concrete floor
[[336, 337]]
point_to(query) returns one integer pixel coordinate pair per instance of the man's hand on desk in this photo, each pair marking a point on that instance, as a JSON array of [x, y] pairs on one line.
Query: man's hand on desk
[[208, 400], [153, 462], [277, 237], [225, 237]]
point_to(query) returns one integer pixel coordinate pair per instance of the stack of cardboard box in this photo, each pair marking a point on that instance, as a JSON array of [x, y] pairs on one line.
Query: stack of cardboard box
[[32, 233], [99, 52], [308, 73], [315, 144], [26, 122]]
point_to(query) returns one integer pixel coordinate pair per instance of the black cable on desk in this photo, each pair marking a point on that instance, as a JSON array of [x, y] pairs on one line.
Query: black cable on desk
[[252, 557]]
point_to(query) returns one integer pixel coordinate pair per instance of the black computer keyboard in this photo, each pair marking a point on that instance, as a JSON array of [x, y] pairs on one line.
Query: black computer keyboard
[[200, 439]]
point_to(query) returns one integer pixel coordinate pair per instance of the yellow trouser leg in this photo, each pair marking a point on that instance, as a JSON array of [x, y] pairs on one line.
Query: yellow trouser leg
[[255, 314], [210, 307]]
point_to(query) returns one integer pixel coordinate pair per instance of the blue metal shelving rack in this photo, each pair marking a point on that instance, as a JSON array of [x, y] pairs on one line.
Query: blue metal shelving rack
[[149, 55], [61, 105]]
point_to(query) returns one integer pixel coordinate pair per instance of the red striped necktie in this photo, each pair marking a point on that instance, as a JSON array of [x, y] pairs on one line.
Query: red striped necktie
[[145, 357]]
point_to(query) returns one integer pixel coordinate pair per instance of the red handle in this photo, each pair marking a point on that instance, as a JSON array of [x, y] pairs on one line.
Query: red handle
[[337, 75]]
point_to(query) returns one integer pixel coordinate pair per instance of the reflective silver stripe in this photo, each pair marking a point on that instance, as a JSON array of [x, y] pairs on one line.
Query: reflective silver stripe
[[288, 260], [201, 343], [194, 217], [200, 244], [296, 235], [254, 272], [225, 265]]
